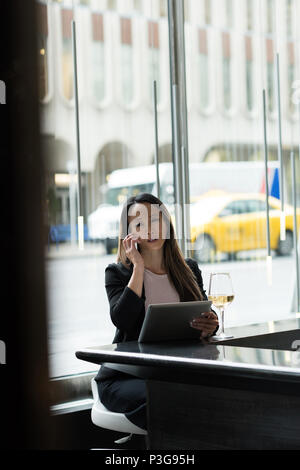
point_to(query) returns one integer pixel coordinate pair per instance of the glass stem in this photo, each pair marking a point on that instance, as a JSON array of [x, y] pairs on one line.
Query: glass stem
[[222, 320]]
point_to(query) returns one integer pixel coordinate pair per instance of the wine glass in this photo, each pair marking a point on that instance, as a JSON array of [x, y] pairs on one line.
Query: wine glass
[[220, 292]]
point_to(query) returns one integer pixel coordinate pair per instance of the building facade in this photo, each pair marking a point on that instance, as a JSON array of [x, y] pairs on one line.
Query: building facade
[[122, 47]]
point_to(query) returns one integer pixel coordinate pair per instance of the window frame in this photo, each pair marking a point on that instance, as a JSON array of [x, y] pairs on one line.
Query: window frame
[[107, 46]]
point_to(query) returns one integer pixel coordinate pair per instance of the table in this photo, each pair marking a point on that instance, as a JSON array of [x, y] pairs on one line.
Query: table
[[241, 393]]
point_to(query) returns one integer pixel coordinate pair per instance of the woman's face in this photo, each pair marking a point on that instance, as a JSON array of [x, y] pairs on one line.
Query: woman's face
[[145, 220]]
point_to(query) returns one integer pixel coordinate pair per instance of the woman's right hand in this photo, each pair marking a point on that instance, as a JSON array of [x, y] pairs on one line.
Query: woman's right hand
[[131, 252]]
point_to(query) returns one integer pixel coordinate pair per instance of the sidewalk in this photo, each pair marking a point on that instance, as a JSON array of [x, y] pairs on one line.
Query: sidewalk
[[68, 250]]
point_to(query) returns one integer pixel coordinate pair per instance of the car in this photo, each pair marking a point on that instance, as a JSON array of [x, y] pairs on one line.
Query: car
[[229, 223]]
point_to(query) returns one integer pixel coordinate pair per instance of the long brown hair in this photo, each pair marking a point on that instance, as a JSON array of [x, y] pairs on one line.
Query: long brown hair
[[179, 273]]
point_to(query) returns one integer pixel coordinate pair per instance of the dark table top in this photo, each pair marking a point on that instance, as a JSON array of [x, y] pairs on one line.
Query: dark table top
[[261, 349]]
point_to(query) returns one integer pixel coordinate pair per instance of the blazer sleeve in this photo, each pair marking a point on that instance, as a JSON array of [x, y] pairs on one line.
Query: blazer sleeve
[[195, 268], [125, 305]]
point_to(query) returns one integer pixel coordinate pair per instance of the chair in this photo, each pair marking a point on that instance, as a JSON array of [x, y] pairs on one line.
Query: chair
[[106, 419]]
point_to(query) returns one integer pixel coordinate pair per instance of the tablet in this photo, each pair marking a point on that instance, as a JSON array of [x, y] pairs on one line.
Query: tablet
[[171, 321]]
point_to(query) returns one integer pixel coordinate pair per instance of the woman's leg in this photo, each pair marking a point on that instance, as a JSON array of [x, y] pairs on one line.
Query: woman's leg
[[128, 396]]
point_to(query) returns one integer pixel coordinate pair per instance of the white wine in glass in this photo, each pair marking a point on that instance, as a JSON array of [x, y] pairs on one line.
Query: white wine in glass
[[220, 292]]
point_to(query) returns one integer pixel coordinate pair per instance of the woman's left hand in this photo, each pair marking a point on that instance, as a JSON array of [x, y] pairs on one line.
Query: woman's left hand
[[207, 323]]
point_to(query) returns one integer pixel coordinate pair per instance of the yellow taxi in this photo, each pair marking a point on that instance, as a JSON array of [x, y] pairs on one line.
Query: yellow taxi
[[232, 222]]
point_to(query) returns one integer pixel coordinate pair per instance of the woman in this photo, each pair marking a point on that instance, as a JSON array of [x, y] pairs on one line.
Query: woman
[[150, 268]]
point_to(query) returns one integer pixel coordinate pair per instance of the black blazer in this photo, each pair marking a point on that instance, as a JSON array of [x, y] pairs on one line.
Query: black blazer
[[127, 309]]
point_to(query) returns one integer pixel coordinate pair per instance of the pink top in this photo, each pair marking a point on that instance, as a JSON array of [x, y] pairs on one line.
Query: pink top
[[158, 289]]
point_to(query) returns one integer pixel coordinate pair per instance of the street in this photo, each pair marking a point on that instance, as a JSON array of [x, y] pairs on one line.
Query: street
[[78, 308]]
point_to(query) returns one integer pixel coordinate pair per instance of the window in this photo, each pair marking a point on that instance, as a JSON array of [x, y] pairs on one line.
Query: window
[[203, 72], [127, 72], [154, 59], [249, 15], [228, 14], [111, 4], [255, 205], [270, 16], [289, 17], [98, 57], [226, 67], [234, 208], [291, 74], [186, 10], [229, 152], [207, 12], [270, 65], [117, 148], [249, 73], [137, 5], [67, 55], [163, 8], [117, 151]]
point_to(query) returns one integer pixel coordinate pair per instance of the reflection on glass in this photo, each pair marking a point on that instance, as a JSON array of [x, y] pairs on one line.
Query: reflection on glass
[[226, 67]]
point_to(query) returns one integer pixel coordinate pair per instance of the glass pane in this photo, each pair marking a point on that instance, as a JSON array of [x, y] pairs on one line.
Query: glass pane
[[226, 151], [117, 161]]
